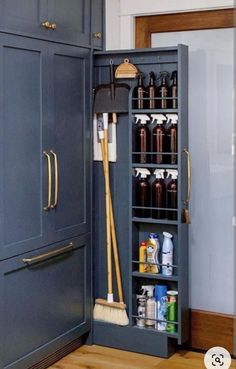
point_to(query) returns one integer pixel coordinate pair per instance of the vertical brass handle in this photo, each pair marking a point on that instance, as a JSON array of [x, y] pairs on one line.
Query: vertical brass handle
[[189, 171], [46, 208], [56, 179]]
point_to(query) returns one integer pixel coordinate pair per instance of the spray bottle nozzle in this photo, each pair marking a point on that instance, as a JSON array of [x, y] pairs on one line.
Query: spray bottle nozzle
[[143, 172], [172, 173], [148, 289], [172, 118], [159, 173], [142, 118], [159, 118]]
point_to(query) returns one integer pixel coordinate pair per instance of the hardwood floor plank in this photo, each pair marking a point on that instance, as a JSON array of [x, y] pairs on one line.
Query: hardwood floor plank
[[98, 357]]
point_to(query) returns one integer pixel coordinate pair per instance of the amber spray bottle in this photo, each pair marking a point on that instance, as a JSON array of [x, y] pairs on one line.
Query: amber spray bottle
[[172, 194], [142, 138], [173, 102], [139, 93], [158, 138], [151, 92], [172, 148], [159, 195], [143, 192], [163, 91]]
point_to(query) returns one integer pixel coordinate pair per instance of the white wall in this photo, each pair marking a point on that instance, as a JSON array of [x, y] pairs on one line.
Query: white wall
[[120, 15]]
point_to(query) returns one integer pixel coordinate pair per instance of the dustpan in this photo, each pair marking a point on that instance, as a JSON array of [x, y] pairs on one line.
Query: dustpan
[[113, 97]]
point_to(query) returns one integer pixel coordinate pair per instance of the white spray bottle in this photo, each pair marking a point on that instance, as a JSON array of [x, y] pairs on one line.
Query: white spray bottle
[[150, 306], [167, 254]]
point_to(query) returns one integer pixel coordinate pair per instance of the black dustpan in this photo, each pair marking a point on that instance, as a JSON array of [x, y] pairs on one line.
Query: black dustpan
[[113, 97]]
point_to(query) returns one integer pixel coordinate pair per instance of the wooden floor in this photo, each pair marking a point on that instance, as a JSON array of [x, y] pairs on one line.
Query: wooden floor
[[97, 357]]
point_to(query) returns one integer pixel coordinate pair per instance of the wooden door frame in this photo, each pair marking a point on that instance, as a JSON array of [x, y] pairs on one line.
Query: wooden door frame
[[188, 21]]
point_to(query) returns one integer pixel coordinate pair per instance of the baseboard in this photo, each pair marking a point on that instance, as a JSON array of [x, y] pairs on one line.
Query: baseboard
[[208, 329]]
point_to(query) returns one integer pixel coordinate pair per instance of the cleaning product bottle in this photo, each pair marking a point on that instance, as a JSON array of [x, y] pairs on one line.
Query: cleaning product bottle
[[163, 91], [151, 92], [161, 307], [167, 254], [159, 195], [153, 251], [142, 256], [172, 311], [139, 93], [150, 306], [142, 138], [172, 138], [172, 199], [174, 90], [141, 310], [158, 138], [143, 192]]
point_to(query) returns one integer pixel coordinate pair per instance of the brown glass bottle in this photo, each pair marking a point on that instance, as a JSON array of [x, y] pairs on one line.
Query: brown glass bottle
[[159, 198], [163, 92], [158, 141], [139, 93], [173, 102], [143, 143], [151, 92], [143, 197], [172, 198], [172, 143]]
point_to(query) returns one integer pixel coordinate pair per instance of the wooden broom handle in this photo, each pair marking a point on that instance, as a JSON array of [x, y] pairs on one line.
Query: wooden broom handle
[[108, 230], [113, 235]]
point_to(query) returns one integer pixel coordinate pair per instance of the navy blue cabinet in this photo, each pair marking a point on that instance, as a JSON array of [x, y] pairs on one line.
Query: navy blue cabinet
[[45, 302], [98, 24], [66, 21], [45, 143]]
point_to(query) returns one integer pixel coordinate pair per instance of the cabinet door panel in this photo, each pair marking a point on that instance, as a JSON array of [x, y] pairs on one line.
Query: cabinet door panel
[[73, 20], [71, 139], [23, 16], [21, 138], [98, 31], [44, 306]]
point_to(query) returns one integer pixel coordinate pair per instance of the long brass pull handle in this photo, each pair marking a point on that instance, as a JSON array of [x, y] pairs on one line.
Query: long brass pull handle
[[49, 25], [56, 179], [49, 255], [46, 208], [189, 175]]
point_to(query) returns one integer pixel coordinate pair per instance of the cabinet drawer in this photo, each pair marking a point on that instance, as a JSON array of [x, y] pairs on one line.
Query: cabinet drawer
[[45, 301]]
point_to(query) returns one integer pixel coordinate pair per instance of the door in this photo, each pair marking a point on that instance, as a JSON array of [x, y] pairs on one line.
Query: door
[[72, 19], [23, 180], [70, 140], [23, 16], [98, 31], [45, 302], [59, 20]]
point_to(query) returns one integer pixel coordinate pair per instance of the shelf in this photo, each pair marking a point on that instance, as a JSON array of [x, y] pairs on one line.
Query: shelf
[[154, 111], [162, 166], [154, 221], [160, 276], [153, 330]]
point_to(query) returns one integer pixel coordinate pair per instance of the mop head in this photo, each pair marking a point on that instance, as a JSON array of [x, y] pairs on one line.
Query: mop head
[[110, 312]]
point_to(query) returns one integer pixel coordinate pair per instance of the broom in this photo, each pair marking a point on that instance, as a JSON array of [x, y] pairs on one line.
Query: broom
[[108, 310]]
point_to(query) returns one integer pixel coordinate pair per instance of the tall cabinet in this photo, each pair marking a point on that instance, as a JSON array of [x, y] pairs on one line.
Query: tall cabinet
[[132, 227], [45, 183]]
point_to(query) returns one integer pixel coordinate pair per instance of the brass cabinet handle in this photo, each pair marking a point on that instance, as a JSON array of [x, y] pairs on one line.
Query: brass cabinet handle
[[46, 208], [49, 255], [53, 26], [56, 179], [189, 171], [46, 24], [97, 35], [49, 25]]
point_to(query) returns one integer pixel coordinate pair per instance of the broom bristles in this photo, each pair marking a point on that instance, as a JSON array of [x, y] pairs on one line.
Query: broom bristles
[[113, 312]]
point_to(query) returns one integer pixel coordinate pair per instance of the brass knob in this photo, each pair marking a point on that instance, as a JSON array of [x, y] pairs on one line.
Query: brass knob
[[53, 26], [97, 35], [49, 25], [46, 24]]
